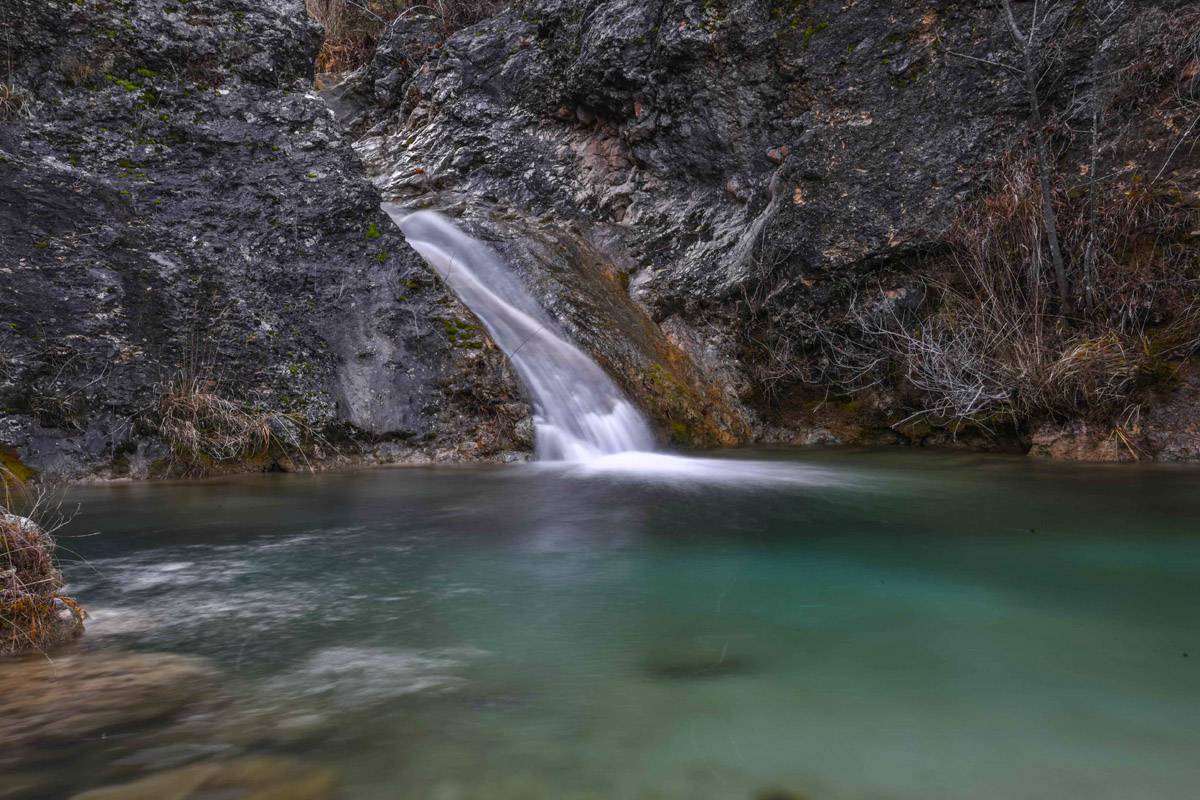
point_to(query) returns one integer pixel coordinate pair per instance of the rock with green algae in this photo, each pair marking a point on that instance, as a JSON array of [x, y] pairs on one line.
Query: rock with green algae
[[251, 778]]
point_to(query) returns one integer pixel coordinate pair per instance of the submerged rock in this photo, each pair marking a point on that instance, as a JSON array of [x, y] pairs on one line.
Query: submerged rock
[[253, 778], [698, 668], [781, 794], [84, 695]]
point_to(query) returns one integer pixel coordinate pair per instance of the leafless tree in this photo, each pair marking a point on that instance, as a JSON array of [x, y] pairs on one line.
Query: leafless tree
[[1029, 45], [1101, 14]]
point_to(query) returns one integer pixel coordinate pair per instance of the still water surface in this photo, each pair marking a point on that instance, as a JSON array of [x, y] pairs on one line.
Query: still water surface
[[847, 626]]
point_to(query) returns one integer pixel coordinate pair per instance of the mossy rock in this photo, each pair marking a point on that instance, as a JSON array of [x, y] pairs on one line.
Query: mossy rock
[[11, 465]]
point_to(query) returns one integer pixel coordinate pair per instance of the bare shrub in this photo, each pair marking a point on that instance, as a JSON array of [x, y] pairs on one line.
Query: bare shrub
[[1061, 292], [995, 348], [353, 28], [204, 429]]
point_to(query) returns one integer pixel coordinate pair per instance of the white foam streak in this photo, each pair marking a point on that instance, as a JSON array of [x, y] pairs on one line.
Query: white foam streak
[[684, 471]]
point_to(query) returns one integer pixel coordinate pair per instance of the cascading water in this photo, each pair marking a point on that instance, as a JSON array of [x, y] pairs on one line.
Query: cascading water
[[579, 413], [580, 416]]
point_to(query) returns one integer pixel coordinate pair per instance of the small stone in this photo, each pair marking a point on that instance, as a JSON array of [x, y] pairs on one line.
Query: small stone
[[778, 154], [781, 794]]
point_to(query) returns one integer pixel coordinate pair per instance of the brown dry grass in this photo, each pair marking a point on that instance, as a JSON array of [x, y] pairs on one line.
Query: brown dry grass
[[13, 102], [997, 346], [205, 429], [34, 614]]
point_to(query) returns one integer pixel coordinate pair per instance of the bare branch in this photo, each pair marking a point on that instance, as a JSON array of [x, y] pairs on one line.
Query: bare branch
[[1012, 25]]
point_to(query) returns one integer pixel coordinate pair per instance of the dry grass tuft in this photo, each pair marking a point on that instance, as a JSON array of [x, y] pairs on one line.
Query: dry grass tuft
[[204, 428], [13, 102]]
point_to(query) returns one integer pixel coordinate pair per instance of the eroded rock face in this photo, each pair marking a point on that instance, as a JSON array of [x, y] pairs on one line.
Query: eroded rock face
[[173, 194], [173, 197], [796, 153], [782, 158]]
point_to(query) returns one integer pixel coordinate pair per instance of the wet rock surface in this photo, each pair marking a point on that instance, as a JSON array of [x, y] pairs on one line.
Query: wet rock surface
[[175, 198], [726, 150], [695, 189], [758, 166], [582, 278]]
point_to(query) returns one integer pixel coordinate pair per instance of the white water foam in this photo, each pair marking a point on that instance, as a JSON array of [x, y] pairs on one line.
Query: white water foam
[[685, 470]]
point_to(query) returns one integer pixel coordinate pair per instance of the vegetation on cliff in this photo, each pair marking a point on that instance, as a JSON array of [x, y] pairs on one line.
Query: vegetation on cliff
[[1068, 287]]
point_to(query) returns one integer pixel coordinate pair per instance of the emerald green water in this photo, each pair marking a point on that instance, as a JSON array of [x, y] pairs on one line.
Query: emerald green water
[[896, 625]]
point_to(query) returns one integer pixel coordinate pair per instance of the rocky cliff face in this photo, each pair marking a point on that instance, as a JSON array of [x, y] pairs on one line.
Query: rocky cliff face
[[752, 169], [706, 193], [186, 235]]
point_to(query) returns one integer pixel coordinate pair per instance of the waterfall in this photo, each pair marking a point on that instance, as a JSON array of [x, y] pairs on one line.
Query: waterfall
[[579, 413]]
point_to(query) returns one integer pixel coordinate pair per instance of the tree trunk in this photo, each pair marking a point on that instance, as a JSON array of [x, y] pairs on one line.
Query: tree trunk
[[1049, 218], [1091, 273], [1044, 168]]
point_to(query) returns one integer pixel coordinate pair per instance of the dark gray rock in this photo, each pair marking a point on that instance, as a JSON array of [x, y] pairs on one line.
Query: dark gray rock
[[692, 185], [175, 198], [761, 164]]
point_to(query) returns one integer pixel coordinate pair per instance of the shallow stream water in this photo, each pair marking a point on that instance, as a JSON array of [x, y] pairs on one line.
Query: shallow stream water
[[836, 626]]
